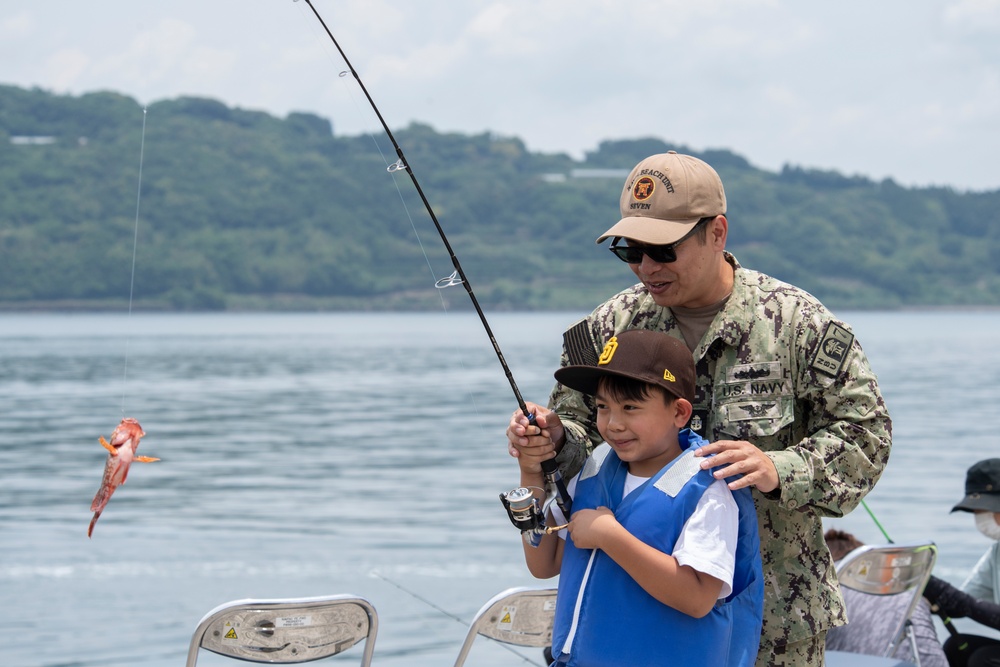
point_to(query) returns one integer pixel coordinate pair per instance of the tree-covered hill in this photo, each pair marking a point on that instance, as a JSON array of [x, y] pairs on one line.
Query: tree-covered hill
[[238, 209]]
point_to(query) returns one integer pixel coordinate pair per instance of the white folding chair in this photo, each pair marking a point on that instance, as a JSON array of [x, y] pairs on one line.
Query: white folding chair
[[895, 572], [287, 631], [846, 659], [518, 616]]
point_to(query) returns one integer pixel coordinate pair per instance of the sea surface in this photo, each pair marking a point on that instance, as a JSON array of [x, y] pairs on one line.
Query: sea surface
[[313, 454]]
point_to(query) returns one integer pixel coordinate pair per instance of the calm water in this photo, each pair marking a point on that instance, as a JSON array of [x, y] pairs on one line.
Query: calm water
[[314, 454]]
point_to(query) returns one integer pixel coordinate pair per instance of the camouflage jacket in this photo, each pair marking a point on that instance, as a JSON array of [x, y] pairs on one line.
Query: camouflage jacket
[[775, 368]]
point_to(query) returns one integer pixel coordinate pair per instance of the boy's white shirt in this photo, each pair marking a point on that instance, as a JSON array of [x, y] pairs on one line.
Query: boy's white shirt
[[707, 542]]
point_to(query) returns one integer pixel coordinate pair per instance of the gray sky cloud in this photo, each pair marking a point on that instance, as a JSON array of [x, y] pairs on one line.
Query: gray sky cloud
[[893, 88]]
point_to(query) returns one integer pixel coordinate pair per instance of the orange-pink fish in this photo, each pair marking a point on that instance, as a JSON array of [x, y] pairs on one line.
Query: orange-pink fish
[[121, 453]]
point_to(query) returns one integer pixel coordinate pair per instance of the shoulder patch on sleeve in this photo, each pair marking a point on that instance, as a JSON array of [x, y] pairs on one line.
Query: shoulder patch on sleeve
[[595, 461], [679, 473], [832, 349], [579, 344]]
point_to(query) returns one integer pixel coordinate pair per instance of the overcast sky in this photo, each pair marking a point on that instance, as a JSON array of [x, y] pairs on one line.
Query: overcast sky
[[907, 89]]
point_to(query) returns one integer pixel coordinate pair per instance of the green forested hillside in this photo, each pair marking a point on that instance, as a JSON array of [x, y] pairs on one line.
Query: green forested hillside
[[238, 209]]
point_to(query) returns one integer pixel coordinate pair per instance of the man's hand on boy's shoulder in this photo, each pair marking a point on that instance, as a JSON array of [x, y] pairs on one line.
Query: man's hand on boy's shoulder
[[739, 457]]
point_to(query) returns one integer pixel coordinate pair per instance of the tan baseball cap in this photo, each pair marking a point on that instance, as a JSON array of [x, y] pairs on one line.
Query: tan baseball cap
[[664, 198], [640, 354]]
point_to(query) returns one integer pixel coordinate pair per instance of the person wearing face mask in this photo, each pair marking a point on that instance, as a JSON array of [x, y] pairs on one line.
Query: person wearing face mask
[[982, 499]]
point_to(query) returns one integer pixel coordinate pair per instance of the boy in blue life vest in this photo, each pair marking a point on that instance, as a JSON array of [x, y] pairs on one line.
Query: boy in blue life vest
[[660, 563]]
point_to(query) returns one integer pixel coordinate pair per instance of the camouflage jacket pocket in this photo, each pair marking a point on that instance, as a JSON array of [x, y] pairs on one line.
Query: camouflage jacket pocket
[[760, 420], [753, 402]]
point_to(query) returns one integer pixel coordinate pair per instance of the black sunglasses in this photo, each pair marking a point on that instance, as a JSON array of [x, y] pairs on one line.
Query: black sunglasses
[[661, 254]]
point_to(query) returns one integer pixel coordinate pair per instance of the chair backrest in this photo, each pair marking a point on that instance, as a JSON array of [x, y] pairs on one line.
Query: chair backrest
[[287, 631], [895, 572], [518, 616]]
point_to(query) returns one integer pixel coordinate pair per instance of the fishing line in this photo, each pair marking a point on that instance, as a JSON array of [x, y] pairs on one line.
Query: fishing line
[[872, 515], [549, 467], [450, 615], [391, 169], [401, 164], [439, 283], [135, 245]]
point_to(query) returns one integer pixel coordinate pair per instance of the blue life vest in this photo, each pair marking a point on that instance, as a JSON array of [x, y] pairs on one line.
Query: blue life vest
[[618, 623]]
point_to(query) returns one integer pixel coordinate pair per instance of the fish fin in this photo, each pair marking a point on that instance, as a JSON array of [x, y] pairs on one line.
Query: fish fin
[[146, 459], [90, 530], [104, 443]]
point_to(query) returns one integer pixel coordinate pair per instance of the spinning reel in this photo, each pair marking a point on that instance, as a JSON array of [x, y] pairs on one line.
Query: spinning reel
[[525, 512]]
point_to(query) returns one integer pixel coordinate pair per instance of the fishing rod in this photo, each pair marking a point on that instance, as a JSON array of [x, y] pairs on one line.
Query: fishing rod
[[549, 467]]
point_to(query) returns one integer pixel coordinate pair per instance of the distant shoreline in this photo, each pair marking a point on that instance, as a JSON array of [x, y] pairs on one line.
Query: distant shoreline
[[333, 305]]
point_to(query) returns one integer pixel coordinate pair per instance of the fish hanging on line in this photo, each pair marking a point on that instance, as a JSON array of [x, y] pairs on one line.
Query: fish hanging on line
[[121, 453]]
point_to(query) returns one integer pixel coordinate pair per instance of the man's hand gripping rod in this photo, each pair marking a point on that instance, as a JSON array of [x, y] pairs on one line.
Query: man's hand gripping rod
[[523, 508]]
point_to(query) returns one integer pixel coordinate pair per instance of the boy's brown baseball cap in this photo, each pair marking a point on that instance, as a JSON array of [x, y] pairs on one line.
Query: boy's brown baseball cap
[[982, 488], [664, 198], [648, 356]]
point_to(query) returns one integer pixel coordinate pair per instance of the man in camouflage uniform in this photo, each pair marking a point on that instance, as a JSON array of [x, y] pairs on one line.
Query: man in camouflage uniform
[[785, 394]]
